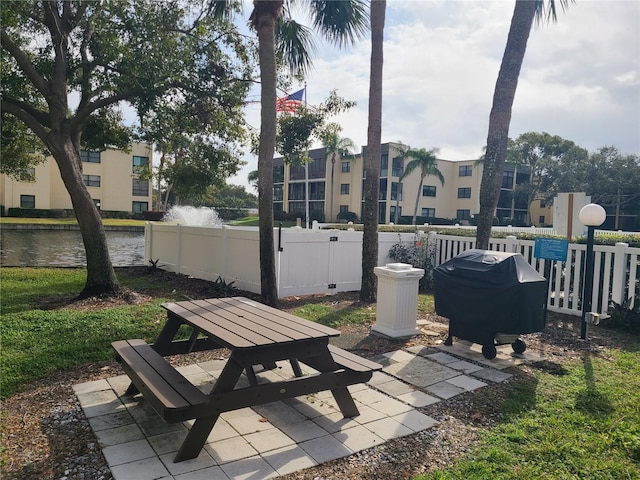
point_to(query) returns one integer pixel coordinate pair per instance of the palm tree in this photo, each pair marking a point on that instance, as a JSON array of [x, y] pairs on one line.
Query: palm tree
[[252, 178], [368, 288], [336, 147], [341, 22], [426, 161], [500, 117]]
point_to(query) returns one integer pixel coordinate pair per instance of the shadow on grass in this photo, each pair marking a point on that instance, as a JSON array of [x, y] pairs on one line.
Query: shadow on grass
[[590, 400]]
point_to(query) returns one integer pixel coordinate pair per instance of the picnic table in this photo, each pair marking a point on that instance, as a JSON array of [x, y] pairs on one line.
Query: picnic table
[[255, 334]]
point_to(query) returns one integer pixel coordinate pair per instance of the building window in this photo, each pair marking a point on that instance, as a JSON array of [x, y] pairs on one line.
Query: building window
[[384, 165], [464, 170], [277, 193], [346, 167], [139, 207], [316, 191], [140, 188], [89, 157], [541, 219], [278, 173], [396, 191], [507, 179], [139, 163], [27, 201], [344, 208], [428, 190], [428, 212], [28, 175], [464, 192], [543, 204], [463, 214], [382, 194], [91, 180], [396, 167], [296, 191], [344, 189]]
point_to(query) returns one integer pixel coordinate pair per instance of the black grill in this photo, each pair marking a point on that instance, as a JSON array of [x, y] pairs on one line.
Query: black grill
[[490, 298]]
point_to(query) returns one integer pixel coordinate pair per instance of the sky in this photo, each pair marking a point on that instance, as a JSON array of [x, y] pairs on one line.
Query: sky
[[580, 78]]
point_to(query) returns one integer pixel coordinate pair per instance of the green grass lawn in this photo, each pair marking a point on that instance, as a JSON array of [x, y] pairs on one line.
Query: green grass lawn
[[580, 423]]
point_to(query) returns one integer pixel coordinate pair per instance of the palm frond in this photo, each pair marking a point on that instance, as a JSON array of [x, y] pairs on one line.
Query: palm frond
[[294, 45], [341, 22]]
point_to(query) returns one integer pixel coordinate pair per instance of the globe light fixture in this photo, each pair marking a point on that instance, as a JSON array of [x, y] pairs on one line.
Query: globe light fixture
[[592, 216]]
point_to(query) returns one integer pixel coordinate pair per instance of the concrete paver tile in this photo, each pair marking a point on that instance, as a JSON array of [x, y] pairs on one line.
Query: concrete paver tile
[[325, 449], [249, 469], [201, 462], [268, 440], [399, 356], [492, 375], [358, 438], [93, 386], [289, 459], [168, 442], [466, 382], [395, 388], [211, 473], [415, 420], [120, 434], [445, 390], [230, 450], [388, 428], [111, 420], [302, 431], [147, 469], [464, 366], [128, 452], [418, 399]]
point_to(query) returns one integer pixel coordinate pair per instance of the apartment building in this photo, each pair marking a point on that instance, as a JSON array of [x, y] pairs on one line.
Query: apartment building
[[111, 178], [337, 187]]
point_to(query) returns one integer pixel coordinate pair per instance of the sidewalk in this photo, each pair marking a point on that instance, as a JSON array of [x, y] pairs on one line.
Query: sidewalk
[[283, 437]]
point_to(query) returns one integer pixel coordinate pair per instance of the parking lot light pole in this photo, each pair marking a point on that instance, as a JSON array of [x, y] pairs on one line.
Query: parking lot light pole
[[591, 216]]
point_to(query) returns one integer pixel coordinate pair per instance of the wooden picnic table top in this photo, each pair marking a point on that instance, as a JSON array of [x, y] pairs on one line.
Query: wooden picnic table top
[[241, 323]]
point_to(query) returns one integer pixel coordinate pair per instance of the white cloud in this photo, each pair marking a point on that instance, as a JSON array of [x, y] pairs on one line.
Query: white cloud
[[580, 78]]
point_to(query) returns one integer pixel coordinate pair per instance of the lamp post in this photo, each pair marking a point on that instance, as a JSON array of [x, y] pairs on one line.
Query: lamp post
[[591, 216]]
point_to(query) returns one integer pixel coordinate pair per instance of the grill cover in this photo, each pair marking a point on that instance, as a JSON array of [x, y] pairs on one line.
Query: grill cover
[[492, 292]]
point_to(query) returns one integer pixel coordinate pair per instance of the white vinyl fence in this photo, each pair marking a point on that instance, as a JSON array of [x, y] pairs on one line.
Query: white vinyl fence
[[330, 261]]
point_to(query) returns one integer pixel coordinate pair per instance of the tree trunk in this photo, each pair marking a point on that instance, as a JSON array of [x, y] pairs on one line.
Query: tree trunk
[[415, 208], [368, 289], [101, 278], [333, 164], [266, 13], [500, 117]]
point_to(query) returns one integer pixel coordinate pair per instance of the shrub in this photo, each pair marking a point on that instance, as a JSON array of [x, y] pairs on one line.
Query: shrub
[[624, 316], [348, 216], [418, 254]]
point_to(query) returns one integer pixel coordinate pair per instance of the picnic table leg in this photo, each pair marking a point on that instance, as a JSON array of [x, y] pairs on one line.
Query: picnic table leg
[[202, 427], [325, 363]]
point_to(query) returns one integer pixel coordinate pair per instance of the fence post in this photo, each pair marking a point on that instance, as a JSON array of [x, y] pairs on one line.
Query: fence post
[[619, 272], [432, 247], [510, 245], [179, 245]]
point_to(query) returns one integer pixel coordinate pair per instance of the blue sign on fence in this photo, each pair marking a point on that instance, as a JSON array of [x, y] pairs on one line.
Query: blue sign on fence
[[551, 249]]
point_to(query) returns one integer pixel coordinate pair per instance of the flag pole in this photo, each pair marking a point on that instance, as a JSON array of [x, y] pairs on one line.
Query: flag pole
[[306, 169]]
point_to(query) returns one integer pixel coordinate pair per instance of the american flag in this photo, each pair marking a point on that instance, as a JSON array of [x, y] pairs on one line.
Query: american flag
[[290, 103]]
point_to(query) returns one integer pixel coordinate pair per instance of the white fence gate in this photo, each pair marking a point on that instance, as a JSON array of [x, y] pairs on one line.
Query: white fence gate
[[330, 261]]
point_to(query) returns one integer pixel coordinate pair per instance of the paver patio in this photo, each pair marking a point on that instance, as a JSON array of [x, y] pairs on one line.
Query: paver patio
[[282, 437]]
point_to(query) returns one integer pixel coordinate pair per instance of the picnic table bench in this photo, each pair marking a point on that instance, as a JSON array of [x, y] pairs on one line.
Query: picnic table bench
[[256, 334]]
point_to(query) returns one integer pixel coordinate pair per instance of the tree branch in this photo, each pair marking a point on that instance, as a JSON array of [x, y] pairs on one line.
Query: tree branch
[[24, 63], [26, 114]]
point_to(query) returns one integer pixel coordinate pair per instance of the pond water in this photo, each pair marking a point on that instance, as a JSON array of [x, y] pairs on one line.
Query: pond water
[[64, 248]]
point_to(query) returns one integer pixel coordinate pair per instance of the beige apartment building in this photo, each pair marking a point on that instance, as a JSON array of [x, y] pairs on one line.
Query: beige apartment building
[[336, 188], [110, 176]]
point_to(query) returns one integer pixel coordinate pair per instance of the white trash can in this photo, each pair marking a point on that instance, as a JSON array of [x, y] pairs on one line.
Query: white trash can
[[397, 304]]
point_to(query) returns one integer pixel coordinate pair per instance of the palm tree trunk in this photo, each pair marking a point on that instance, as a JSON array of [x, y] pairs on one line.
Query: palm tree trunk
[[368, 288], [266, 13], [500, 117], [333, 164], [415, 208]]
